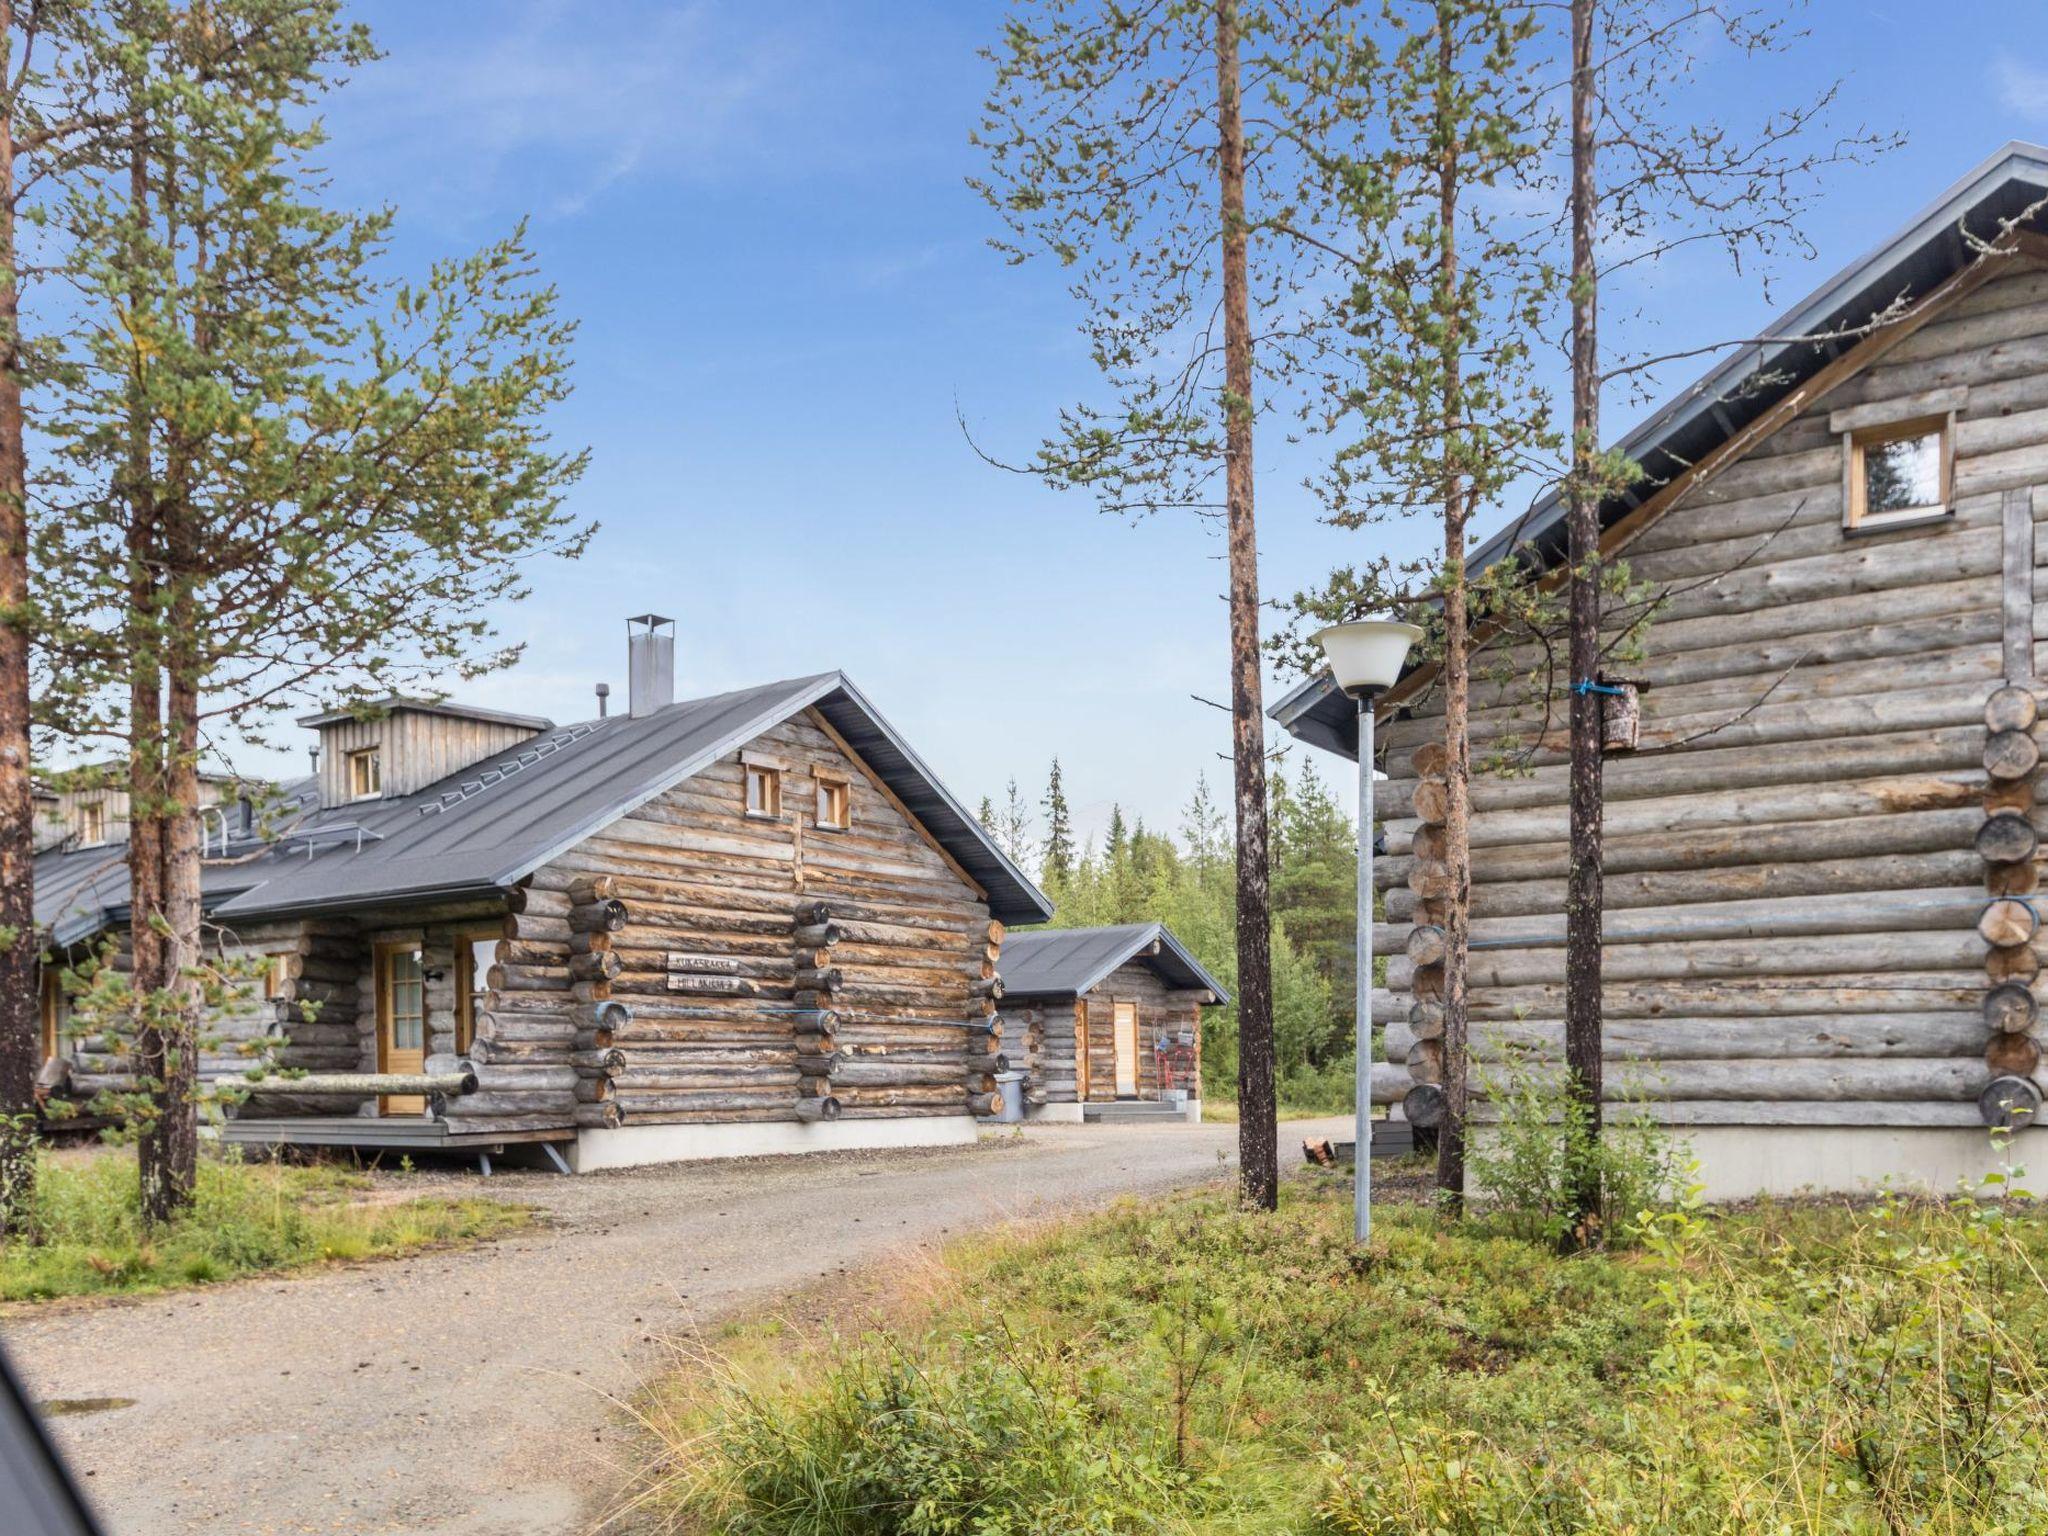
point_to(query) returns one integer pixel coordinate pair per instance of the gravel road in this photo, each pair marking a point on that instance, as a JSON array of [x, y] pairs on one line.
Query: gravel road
[[473, 1393]]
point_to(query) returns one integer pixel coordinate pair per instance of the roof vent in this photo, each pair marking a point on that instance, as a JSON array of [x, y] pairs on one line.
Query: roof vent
[[650, 664]]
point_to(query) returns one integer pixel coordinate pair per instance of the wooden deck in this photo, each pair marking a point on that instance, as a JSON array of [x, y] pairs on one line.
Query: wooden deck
[[394, 1133]]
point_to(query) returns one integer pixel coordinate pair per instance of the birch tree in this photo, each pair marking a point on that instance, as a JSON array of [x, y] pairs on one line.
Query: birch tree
[[289, 477], [1152, 149]]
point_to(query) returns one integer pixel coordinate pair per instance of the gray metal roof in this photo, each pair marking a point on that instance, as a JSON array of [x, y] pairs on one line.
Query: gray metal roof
[[1930, 248], [1066, 962], [497, 821]]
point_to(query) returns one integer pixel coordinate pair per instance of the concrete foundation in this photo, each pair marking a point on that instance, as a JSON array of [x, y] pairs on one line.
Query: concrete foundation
[[631, 1146], [1055, 1114], [1737, 1161]]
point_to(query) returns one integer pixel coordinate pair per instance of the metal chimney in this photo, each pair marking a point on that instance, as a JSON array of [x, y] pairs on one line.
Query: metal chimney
[[604, 694], [650, 664]]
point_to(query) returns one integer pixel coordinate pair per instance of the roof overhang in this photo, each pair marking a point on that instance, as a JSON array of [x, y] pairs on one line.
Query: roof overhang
[[1937, 244], [391, 704]]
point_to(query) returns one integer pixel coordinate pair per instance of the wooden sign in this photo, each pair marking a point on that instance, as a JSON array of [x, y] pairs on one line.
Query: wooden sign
[[708, 965], [731, 986]]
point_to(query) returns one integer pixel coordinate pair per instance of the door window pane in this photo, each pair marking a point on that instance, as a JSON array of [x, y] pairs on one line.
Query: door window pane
[[406, 987]]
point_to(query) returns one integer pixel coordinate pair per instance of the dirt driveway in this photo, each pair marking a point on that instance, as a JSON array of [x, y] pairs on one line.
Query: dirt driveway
[[471, 1393]]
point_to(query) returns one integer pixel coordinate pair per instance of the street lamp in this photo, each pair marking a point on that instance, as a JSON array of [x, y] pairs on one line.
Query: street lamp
[[1365, 659]]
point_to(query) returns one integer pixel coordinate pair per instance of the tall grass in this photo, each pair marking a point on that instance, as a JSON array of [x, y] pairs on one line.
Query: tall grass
[[247, 1217], [1791, 1370]]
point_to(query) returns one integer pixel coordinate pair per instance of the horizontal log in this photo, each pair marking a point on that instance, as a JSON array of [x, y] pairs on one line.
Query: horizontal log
[[1717, 958], [1951, 868], [1933, 1033], [359, 1084], [1862, 912]]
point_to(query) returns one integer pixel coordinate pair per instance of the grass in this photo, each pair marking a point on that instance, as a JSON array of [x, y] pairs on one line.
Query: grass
[[249, 1218], [1183, 1366]]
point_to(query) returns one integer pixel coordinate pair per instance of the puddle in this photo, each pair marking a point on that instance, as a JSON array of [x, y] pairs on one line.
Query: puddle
[[58, 1406]]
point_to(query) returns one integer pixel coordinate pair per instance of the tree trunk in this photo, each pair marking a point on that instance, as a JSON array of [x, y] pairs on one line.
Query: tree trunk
[[1457, 825], [1582, 888], [1258, 1109], [150, 976], [20, 1015]]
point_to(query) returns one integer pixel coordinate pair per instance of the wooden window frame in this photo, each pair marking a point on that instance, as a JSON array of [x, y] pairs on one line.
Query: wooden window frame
[[276, 987], [97, 810], [1855, 517], [465, 985], [830, 786], [374, 756], [770, 777]]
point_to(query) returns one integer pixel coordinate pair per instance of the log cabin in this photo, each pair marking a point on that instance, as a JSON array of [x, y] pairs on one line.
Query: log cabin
[[748, 923], [1106, 1023], [1821, 955]]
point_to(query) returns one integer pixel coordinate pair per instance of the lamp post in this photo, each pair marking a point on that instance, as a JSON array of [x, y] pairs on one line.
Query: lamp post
[[1365, 659]]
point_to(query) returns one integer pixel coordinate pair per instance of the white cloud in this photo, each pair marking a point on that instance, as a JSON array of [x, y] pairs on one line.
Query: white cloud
[[2022, 87], [559, 102]]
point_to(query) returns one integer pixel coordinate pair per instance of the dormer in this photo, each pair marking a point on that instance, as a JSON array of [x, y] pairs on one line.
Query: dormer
[[385, 748]]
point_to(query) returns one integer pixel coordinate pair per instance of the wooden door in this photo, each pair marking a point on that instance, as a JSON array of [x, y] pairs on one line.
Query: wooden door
[[401, 1022], [1127, 1050]]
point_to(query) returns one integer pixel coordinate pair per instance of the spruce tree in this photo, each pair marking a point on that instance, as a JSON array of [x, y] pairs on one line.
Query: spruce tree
[[1058, 863]]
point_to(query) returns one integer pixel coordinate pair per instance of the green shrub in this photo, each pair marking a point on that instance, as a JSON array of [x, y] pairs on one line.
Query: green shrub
[[1531, 1165], [985, 1437]]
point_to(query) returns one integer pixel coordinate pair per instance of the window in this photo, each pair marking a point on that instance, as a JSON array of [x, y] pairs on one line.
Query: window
[[475, 954], [835, 804], [92, 823], [1898, 473], [277, 982], [366, 774], [764, 790]]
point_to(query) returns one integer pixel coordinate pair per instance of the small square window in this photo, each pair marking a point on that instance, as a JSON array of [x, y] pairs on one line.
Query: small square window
[[365, 774], [764, 790], [1898, 473], [835, 804], [92, 823]]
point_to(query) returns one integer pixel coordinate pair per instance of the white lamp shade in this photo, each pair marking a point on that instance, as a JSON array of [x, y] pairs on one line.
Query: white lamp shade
[[1366, 654]]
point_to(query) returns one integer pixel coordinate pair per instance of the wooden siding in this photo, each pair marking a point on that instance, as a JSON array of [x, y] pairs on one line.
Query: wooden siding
[[1793, 884], [417, 747]]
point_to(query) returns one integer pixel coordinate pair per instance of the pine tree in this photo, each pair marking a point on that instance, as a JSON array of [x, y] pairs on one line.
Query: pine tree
[[292, 479], [55, 118], [1444, 412], [1118, 143]]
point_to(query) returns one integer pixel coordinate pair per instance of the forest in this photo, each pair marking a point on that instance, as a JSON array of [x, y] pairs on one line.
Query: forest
[[1182, 877]]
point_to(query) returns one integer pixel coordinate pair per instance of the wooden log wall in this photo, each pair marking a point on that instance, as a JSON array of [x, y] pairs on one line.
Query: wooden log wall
[[312, 1027], [544, 1053], [1821, 859], [769, 964]]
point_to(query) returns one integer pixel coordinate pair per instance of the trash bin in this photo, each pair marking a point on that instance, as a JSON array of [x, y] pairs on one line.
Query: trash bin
[[1011, 1086]]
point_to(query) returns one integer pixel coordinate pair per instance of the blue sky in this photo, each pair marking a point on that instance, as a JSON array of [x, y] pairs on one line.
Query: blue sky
[[758, 213]]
